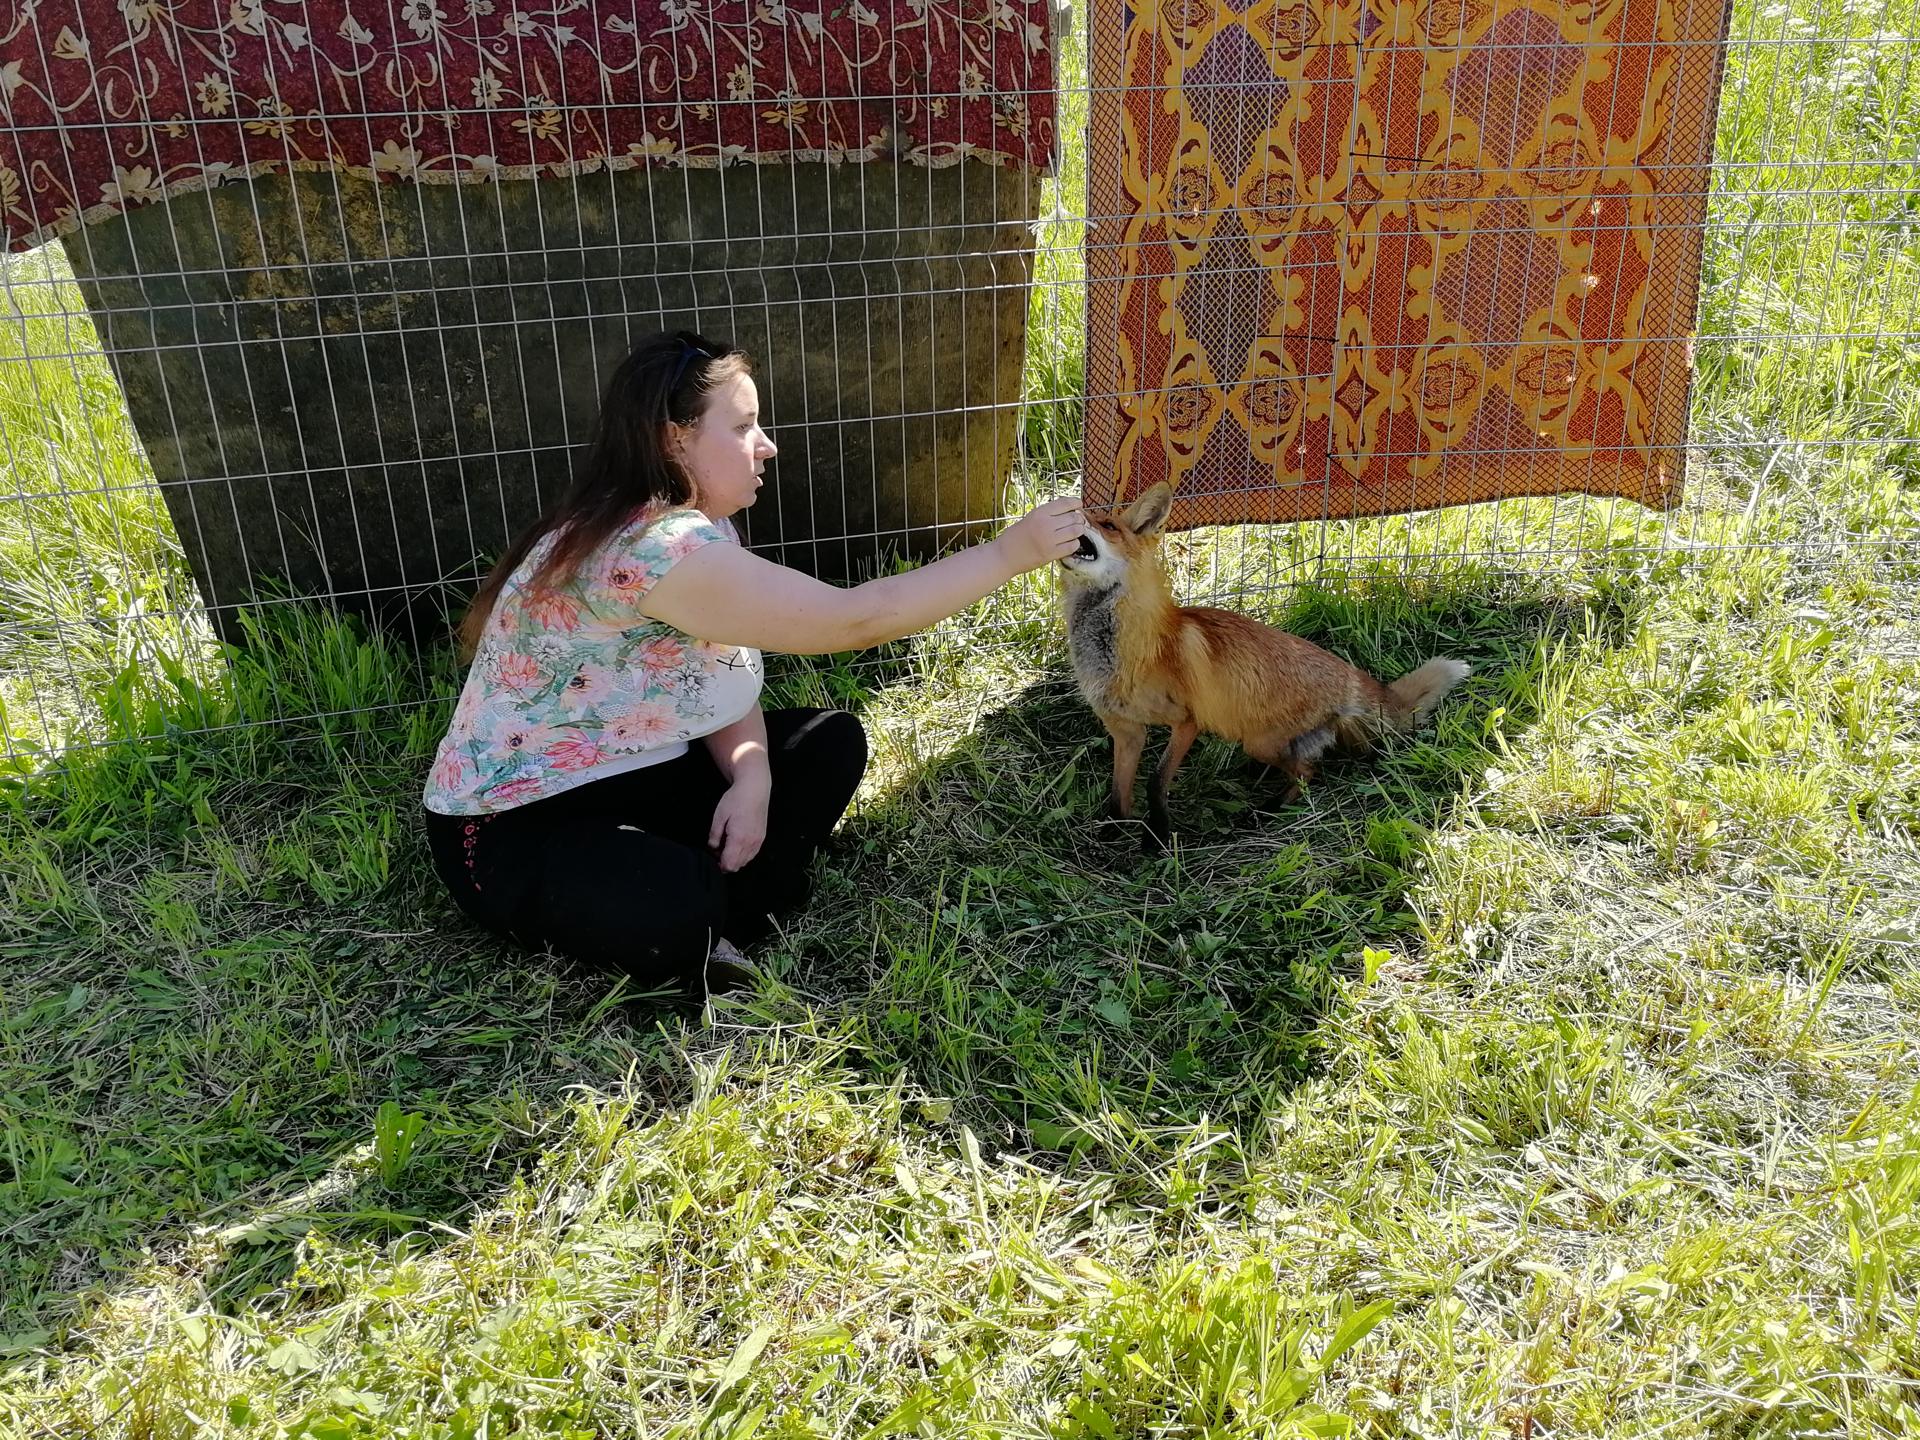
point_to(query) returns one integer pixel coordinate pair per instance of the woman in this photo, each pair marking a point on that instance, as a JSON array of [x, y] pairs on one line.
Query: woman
[[609, 787]]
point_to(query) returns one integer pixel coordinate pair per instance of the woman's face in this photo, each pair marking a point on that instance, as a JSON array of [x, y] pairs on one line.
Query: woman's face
[[725, 450]]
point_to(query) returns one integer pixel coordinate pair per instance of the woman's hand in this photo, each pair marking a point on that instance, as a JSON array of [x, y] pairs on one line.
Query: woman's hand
[[740, 822], [1044, 534]]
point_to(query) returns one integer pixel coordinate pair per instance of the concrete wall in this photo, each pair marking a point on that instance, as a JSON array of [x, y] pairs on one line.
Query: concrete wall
[[360, 391]]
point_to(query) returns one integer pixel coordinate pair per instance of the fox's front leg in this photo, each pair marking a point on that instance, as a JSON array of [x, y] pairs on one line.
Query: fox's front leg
[[1129, 739], [1178, 743]]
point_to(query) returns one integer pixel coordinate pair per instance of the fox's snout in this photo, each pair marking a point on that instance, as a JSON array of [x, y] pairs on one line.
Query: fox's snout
[[1112, 545], [1099, 560]]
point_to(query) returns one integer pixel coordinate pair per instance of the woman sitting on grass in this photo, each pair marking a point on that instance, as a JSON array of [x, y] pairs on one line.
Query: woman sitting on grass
[[566, 809]]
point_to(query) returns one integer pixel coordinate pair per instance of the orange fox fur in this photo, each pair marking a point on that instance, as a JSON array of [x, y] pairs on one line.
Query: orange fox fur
[[1142, 660]]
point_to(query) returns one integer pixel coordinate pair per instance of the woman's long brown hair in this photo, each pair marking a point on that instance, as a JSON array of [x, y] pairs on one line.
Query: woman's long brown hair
[[628, 469]]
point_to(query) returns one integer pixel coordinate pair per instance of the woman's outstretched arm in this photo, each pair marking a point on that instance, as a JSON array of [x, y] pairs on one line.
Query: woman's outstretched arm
[[728, 596]]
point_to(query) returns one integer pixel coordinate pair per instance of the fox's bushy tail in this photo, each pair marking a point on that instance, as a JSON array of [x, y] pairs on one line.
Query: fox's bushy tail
[[1416, 693], [1399, 706]]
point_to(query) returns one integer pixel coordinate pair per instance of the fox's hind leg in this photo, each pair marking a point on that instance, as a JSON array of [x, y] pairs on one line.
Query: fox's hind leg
[[1293, 756], [1178, 743]]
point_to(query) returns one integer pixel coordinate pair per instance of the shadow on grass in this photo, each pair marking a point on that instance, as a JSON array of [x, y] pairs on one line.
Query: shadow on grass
[[226, 960], [220, 955], [207, 1104], [1076, 995]]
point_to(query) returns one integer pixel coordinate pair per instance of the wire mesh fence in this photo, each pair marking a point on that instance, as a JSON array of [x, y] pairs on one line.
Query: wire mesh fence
[[281, 371]]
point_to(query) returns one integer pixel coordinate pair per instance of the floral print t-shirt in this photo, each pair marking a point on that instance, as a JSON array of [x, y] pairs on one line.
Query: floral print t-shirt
[[573, 683]]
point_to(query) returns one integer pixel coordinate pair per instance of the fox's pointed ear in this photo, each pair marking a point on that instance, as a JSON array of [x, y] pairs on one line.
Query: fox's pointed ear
[[1147, 514]]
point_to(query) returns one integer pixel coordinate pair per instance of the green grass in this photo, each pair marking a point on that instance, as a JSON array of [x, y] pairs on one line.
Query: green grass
[[97, 612], [1550, 1074], [1056, 358]]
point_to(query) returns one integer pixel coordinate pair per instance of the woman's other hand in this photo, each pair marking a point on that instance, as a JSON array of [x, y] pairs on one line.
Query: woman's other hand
[[739, 823]]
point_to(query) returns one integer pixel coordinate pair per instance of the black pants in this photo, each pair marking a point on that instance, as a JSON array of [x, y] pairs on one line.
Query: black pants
[[617, 872]]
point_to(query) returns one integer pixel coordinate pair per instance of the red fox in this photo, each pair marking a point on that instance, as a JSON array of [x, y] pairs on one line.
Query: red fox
[[1142, 660]]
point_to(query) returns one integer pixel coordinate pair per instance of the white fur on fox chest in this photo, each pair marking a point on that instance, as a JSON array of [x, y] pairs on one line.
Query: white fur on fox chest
[[1093, 638]]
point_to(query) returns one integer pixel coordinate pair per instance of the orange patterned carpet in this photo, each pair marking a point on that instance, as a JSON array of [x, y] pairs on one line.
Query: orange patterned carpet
[[1361, 258]]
